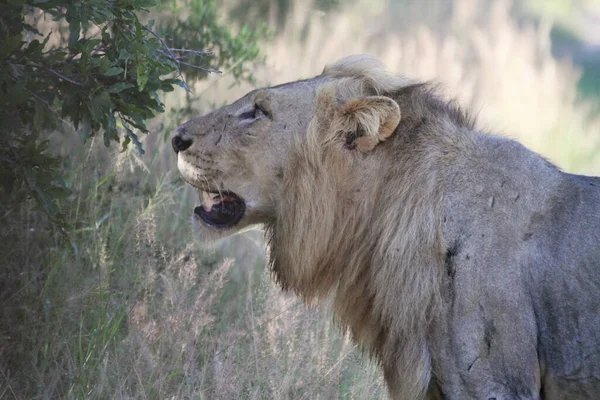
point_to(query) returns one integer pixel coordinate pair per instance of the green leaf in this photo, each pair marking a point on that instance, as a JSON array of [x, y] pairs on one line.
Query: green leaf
[[33, 46], [75, 28], [58, 192], [10, 44], [39, 117], [139, 34], [142, 76], [43, 146], [47, 203], [103, 63], [135, 140], [113, 71], [105, 35], [85, 129], [177, 82], [124, 54], [119, 87], [110, 130], [125, 144], [89, 45], [100, 107]]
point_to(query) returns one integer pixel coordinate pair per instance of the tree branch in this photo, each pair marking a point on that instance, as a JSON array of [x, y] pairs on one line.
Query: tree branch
[[199, 67], [61, 76], [196, 52], [156, 35], [176, 59]]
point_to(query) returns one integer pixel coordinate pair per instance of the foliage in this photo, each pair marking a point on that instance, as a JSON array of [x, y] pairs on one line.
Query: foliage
[[97, 65]]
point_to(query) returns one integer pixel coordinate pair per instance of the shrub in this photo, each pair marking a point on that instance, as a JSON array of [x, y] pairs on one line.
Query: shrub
[[96, 65]]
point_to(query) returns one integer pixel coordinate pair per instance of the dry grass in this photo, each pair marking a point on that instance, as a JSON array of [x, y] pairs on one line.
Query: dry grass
[[126, 305]]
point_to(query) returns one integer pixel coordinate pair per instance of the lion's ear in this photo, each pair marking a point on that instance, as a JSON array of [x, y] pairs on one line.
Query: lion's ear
[[369, 120]]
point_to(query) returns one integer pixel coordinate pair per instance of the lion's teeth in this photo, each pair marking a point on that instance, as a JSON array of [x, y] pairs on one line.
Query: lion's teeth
[[207, 201]]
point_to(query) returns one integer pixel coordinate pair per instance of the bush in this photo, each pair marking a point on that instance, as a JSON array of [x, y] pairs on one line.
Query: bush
[[94, 64]]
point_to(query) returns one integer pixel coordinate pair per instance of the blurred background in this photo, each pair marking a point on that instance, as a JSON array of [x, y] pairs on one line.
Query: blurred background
[[127, 305]]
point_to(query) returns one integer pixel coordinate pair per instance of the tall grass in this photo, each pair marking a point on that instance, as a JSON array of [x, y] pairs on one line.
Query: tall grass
[[126, 305]]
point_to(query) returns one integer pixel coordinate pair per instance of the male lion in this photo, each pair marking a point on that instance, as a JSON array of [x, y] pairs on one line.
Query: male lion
[[467, 265]]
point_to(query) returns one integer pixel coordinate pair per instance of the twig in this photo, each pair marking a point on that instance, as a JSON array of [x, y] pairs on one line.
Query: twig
[[52, 71], [64, 77], [197, 52], [156, 35], [202, 68], [39, 98], [33, 94], [214, 82], [177, 60]]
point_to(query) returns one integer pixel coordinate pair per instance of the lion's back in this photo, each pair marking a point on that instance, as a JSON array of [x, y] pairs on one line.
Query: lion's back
[[565, 287], [523, 275]]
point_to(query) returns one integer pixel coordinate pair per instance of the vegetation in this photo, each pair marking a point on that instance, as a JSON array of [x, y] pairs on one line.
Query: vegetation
[[123, 304], [95, 65]]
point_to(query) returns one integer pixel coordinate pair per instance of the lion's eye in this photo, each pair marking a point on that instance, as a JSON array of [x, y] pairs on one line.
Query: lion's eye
[[259, 111]]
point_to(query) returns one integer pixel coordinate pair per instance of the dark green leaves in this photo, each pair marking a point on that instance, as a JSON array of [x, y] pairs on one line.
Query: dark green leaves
[[112, 71], [143, 74], [119, 87], [99, 68], [133, 138]]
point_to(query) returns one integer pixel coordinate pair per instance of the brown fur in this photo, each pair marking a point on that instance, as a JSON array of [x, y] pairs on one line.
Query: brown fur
[[367, 230]]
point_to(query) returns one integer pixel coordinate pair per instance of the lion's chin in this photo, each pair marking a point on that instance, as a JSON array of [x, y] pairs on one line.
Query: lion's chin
[[207, 235]]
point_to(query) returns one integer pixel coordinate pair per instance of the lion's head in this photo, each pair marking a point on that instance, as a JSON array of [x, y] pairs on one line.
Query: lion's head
[[239, 156]]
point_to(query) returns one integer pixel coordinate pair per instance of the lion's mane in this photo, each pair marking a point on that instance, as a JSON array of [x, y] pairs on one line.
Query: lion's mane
[[369, 234]]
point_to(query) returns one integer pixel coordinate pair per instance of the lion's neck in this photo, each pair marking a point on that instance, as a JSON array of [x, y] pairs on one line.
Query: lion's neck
[[374, 243], [381, 269]]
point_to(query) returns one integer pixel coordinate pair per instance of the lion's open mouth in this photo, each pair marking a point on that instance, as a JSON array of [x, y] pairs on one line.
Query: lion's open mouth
[[220, 210]]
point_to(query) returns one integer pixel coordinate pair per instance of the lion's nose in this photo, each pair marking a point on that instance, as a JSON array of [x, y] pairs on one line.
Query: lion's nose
[[180, 143]]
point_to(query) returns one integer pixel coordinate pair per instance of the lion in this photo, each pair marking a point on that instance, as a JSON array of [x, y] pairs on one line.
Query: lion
[[467, 265]]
